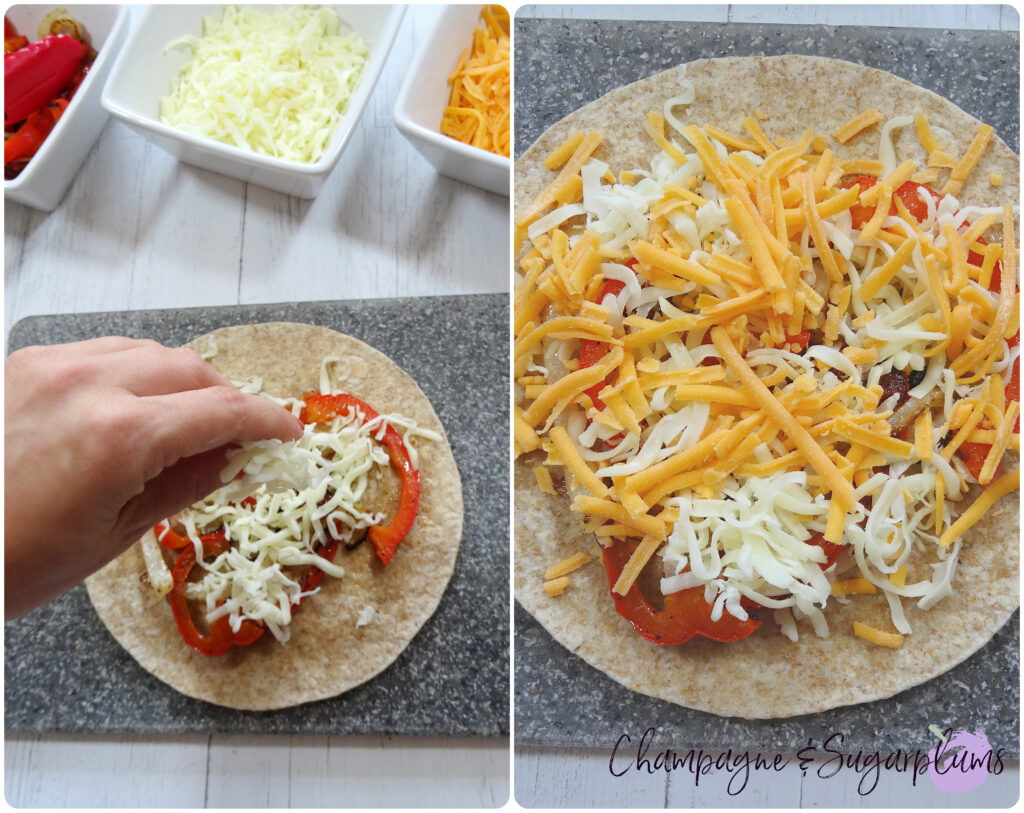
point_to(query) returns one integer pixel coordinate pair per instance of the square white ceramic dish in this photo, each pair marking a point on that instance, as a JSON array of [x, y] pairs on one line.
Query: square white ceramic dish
[[48, 175], [425, 93], [143, 73]]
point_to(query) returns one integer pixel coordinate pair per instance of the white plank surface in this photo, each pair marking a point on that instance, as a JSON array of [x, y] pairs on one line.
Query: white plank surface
[[580, 778], [138, 230]]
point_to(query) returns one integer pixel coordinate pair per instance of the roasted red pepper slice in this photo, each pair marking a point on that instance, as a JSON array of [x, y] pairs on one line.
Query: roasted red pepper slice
[[385, 538], [859, 213], [311, 578], [1012, 390], [895, 383], [35, 74], [908, 193], [801, 339], [686, 613], [220, 639], [832, 550], [591, 351], [26, 142], [12, 39], [172, 540], [973, 454]]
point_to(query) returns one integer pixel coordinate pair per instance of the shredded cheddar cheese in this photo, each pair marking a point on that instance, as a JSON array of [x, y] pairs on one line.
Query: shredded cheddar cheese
[[1004, 485], [851, 587], [859, 122], [555, 587], [481, 83], [891, 640], [567, 566], [563, 151]]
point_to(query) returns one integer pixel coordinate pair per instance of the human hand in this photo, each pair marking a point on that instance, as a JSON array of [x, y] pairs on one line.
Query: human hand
[[104, 438]]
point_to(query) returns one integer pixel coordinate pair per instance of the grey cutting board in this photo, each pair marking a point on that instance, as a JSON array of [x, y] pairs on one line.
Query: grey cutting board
[[560, 65], [64, 672]]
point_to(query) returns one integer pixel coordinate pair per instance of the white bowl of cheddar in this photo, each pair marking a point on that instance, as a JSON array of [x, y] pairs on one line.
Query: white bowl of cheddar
[[425, 94], [246, 100]]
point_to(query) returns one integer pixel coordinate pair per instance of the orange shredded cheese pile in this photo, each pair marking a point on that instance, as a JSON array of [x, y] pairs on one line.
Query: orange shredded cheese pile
[[478, 108]]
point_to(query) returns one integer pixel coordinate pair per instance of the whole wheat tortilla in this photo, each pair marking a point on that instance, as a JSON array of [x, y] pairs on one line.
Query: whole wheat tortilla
[[327, 654], [765, 675]]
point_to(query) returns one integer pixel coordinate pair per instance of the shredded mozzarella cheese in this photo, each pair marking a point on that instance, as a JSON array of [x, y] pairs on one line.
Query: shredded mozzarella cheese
[[275, 83]]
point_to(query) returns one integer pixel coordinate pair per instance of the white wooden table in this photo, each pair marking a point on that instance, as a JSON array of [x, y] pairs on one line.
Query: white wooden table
[[139, 230], [581, 778]]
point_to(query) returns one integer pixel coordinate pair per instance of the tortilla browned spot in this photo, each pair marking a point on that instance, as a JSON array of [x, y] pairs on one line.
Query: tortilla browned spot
[[327, 654], [765, 675]]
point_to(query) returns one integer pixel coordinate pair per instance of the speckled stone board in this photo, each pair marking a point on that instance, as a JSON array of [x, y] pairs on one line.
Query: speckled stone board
[[561, 700], [561, 65], [64, 672]]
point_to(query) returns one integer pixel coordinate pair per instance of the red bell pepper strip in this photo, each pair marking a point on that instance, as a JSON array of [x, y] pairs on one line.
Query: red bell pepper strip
[[832, 550], [172, 540], [311, 578], [221, 638], [12, 39], [801, 339], [1012, 389], [592, 351], [972, 454], [321, 408], [686, 613], [28, 138], [35, 74], [909, 194]]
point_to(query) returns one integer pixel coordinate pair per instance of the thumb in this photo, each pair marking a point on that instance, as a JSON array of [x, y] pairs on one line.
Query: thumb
[[174, 489]]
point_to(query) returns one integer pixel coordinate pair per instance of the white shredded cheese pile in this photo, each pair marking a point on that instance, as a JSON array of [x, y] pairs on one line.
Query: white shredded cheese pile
[[304, 491], [275, 83], [280, 500]]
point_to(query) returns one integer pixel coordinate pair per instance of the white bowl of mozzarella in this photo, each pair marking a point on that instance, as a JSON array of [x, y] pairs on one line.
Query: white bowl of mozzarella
[[146, 69]]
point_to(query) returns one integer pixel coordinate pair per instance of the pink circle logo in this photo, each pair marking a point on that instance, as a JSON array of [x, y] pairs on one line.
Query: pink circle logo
[[961, 763]]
